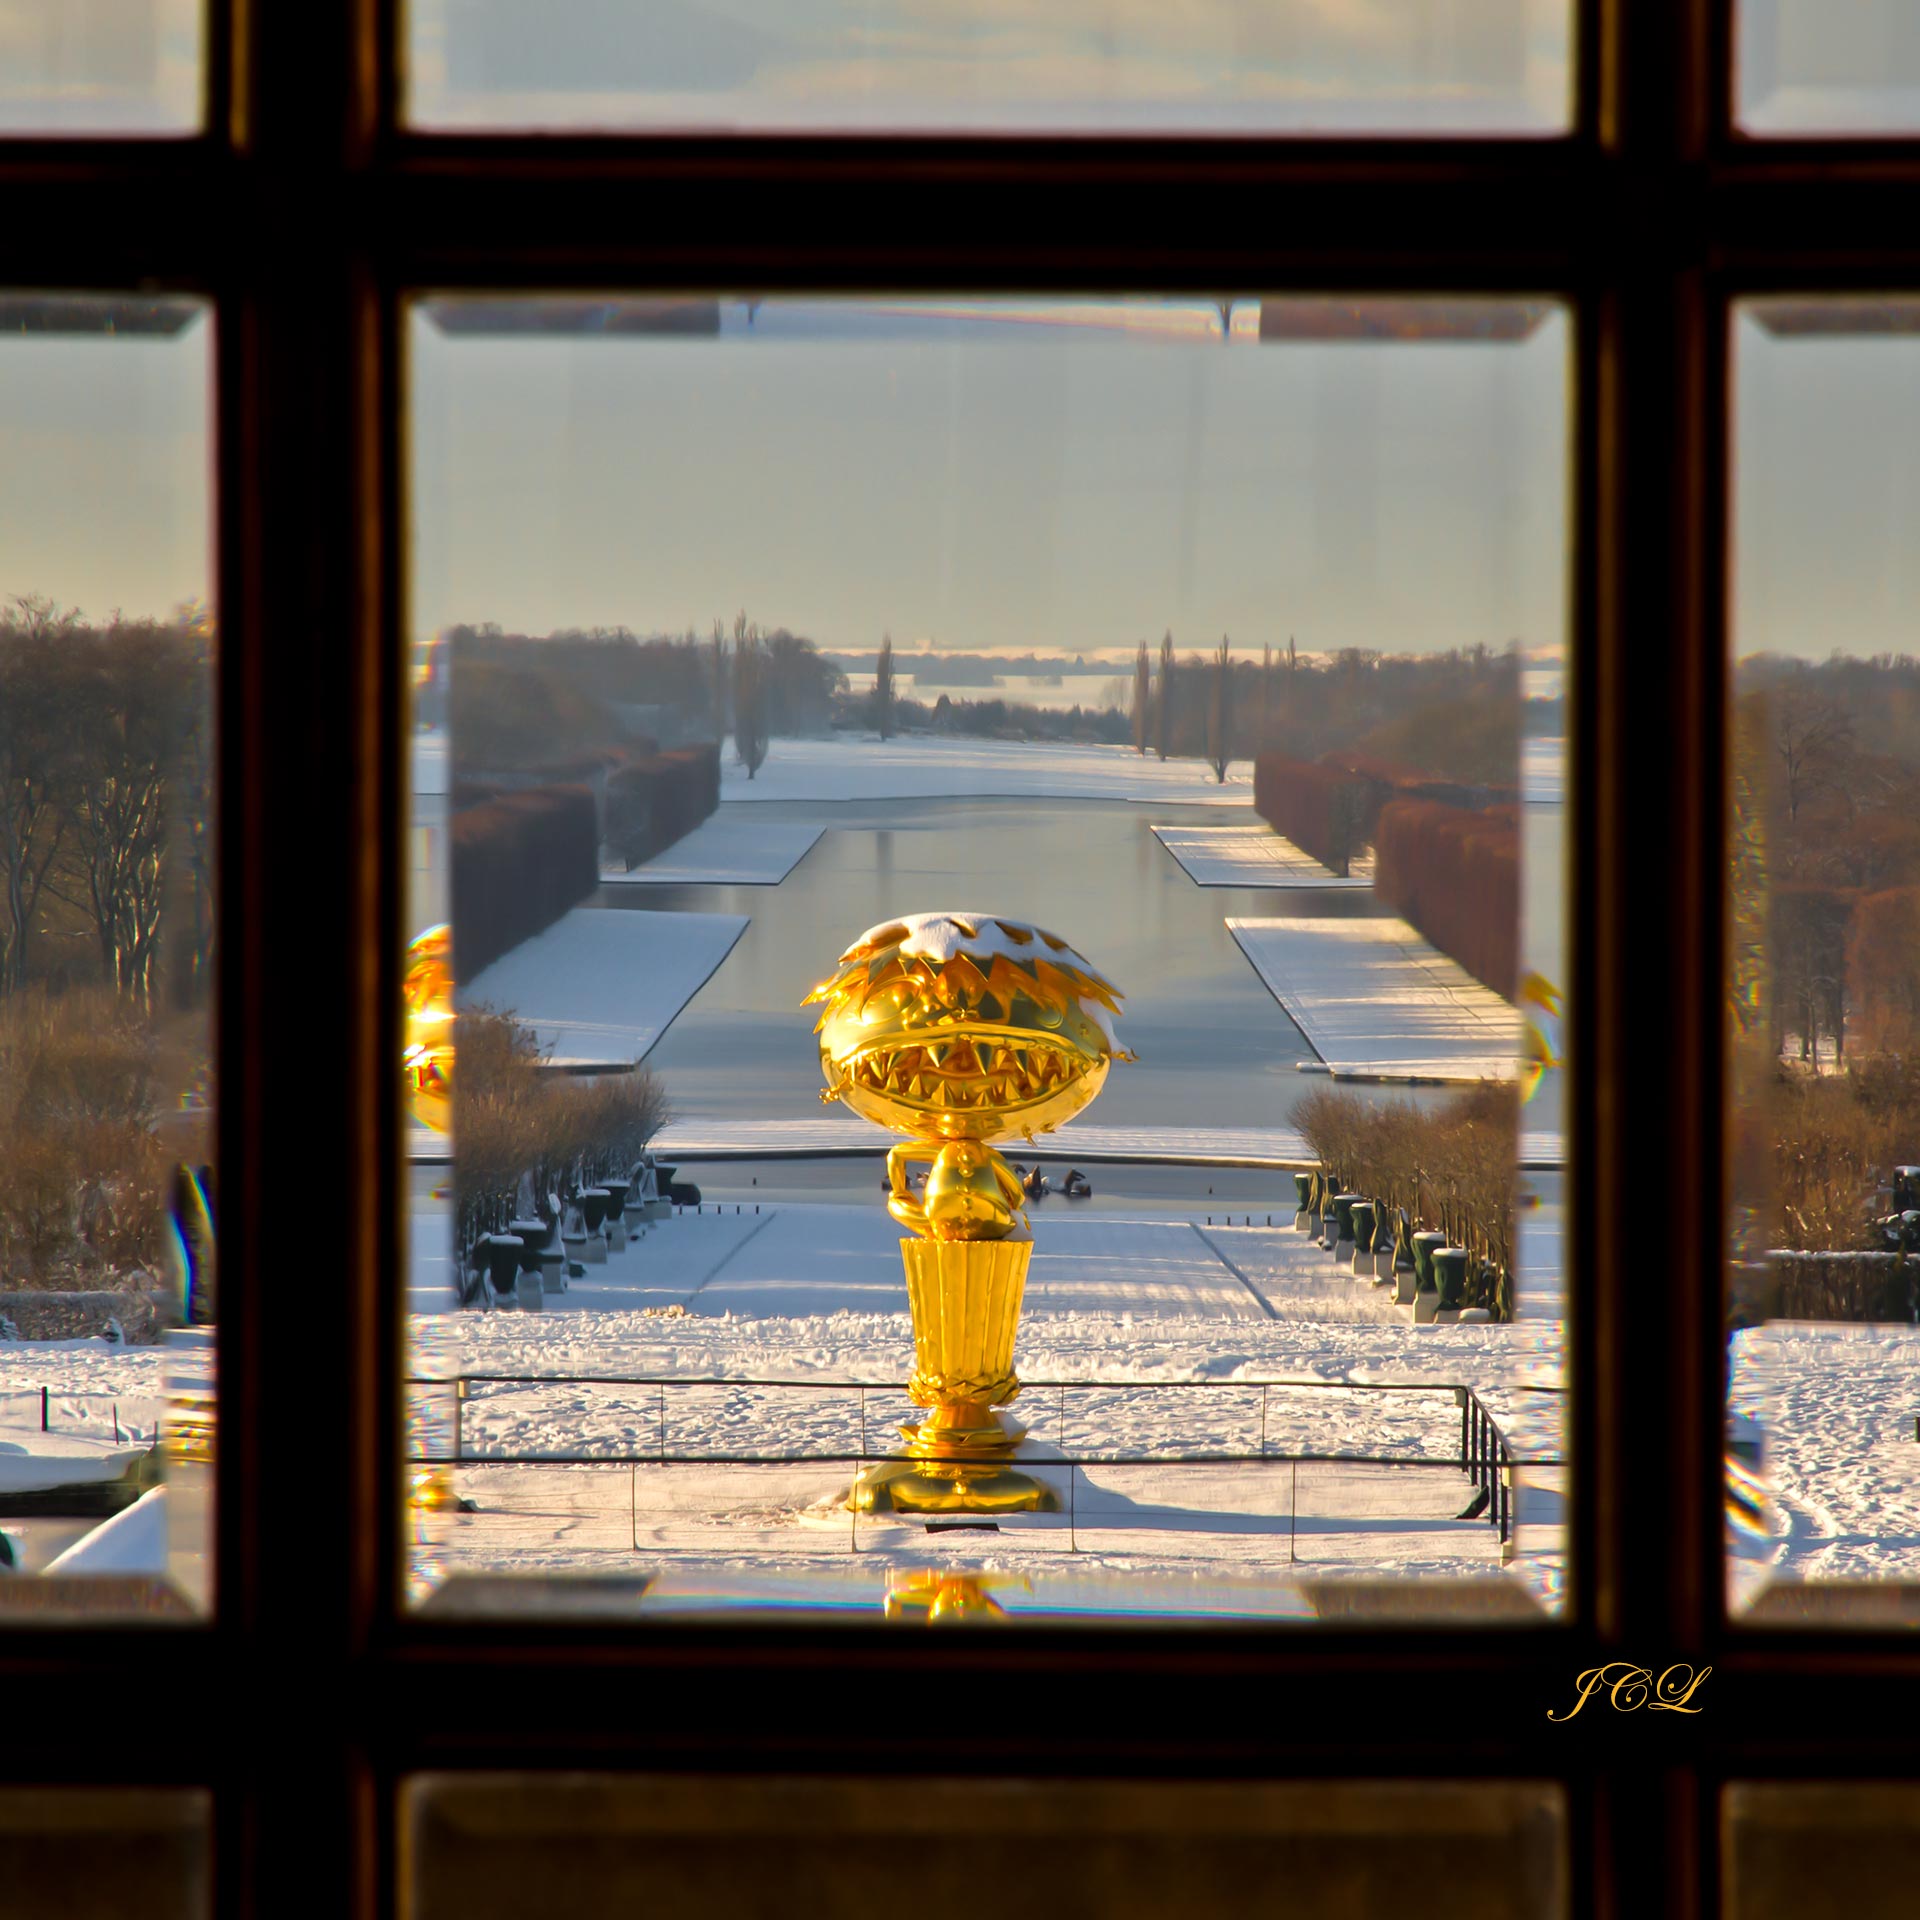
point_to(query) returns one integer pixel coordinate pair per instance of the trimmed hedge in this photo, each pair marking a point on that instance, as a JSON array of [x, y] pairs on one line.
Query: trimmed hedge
[[519, 862], [654, 800], [1455, 875], [1321, 810]]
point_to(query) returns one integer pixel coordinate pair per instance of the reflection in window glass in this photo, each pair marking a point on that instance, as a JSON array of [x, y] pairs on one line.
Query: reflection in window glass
[[1157, 701], [107, 957], [1283, 66], [490, 1844], [1805, 1846], [95, 1853], [100, 66], [1828, 67], [1825, 953]]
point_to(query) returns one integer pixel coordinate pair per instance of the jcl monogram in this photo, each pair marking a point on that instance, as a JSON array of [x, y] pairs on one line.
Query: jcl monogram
[[1629, 1688]]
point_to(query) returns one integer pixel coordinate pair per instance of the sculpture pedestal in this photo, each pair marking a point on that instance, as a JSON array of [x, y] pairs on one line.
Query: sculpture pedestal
[[965, 1297]]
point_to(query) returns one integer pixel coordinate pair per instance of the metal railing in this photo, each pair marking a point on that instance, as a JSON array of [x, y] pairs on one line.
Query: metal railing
[[1486, 1456], [59, 1410]]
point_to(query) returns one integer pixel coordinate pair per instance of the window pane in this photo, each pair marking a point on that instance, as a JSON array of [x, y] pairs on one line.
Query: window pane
[[1823, 1490], [491, 1844], [1800, 1848], [107, 953], [1829, 67], [96, 1853], [100, 66], [1107, 66], [1224, 641]]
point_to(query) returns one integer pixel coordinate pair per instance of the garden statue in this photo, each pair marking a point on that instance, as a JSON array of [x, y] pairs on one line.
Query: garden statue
[[958, 1030]]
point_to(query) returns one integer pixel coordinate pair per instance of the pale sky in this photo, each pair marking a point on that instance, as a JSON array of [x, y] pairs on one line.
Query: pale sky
[[996, 486], [1467, 66], [106, 480], [997, 483], [1827, 492], [1480, 66]]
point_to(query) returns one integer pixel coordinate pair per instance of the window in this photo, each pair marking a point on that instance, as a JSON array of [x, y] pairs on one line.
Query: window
[[1304, 851], [310, 219]]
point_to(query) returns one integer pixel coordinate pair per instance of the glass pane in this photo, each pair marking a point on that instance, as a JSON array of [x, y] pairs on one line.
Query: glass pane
[[1823, 1488], [1828, 67], [1804, 1848], [98, 1853], [1207, 656], [493, 1844], [106, 954], [916, 66], [100, 66]]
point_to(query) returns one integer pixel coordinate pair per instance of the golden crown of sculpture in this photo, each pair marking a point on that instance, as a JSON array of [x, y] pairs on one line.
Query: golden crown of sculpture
[[965, 1026], [960, 1029]]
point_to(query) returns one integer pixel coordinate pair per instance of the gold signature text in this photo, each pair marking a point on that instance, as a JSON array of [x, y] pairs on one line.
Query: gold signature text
[[1627, 1688]]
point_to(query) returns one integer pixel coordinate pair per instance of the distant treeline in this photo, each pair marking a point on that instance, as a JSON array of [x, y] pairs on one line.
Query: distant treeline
[[522, 700], [981, 669], [992, 719], [1454, 715]]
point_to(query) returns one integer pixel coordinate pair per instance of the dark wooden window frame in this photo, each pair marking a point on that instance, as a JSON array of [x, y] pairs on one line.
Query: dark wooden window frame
[[308, 216]]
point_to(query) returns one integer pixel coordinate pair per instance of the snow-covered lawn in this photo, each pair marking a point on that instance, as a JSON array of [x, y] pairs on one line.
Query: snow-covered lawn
[[1376, 1002], [601, 985], [1253, 856], [728, 849], [852, 766]]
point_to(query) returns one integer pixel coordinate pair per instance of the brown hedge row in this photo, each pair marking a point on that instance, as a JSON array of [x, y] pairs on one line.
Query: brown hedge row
[[519, 862], [1454, 874], [1322, 811]]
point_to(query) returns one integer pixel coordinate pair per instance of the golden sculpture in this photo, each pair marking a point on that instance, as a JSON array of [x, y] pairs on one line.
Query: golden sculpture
[[426, 1060], [426, 1066], [960, 1029]]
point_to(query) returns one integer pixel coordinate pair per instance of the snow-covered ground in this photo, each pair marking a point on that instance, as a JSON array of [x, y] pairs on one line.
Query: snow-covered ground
[[599, 987], [1207, 1317], [1196, 1337], [728, 849], [836, 1132], [852, 766], [1376, 1002], [1835, 1405], [1253, 856], [1543, 770]]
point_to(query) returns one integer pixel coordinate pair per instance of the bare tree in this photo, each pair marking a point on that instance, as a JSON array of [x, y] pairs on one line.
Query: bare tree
[[717, 677], [133, 695], [749, 696], [1219, 747], [1261, 719], [38, 738], [1813, 744], [883, 688], [1163, 716], [1142, 697]]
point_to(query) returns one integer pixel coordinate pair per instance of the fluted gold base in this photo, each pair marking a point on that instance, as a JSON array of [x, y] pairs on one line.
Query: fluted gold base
[[922, 1486], [965, 1296]]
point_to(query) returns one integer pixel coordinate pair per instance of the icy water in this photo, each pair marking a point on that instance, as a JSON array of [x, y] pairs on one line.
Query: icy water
[[1215, 1049]]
